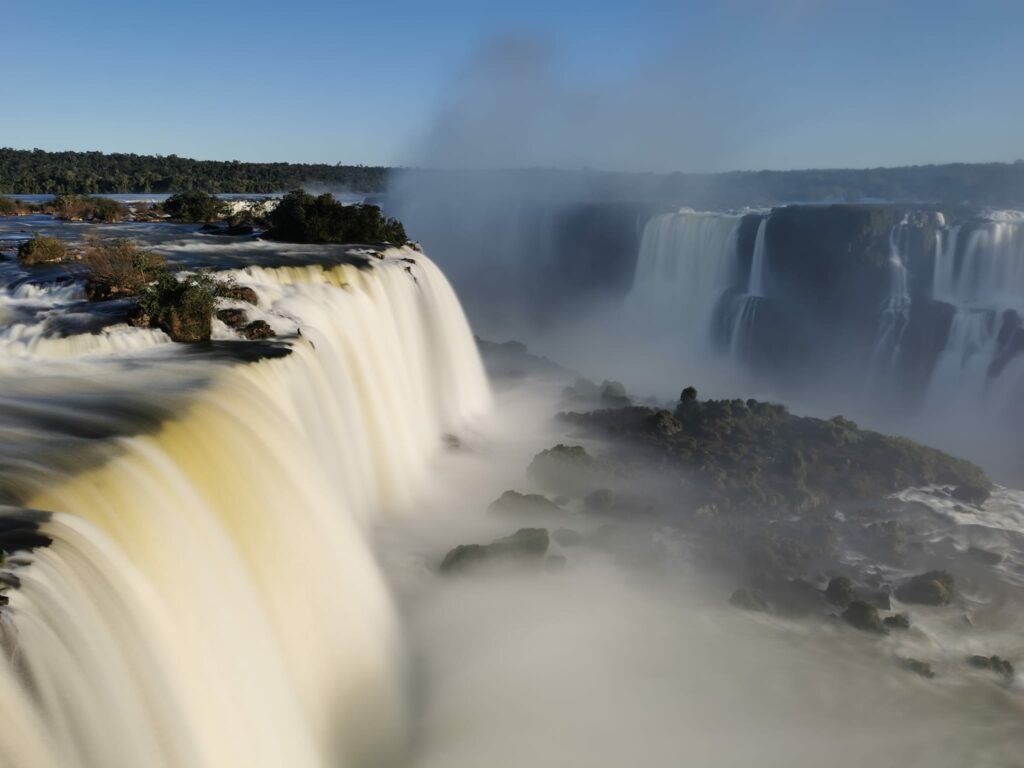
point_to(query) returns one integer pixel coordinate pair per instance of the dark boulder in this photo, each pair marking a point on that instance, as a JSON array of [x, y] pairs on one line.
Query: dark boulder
[[864, 617], [258, 329], [523, 504], [998, 665], [233, 318], [566, 469], [896, 621], [527, 545], [840, 591], [971, 493], [238, 293], [932, 588], [922, 668]]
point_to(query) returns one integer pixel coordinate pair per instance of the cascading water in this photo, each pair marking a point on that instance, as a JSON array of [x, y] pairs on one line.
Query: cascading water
[[210, 597], [687, 261], [896, 309], [745, 310], [979, 270]]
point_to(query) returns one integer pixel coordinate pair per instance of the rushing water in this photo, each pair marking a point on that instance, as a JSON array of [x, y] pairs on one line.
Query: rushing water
[[226, 553], [210, 597]]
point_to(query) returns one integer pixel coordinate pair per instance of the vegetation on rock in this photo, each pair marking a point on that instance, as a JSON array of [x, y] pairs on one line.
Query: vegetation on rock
[[754, 456], [517, 504], [119, 268], [303, 218], [527, 545], [182, 307], [932, 588], [42, 249], [86, 208], [195, 207]]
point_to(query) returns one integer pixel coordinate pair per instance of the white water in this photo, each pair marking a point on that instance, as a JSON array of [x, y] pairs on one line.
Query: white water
[[984, 282], [756, 284], [210, 598], [896, 309], [687, 261]]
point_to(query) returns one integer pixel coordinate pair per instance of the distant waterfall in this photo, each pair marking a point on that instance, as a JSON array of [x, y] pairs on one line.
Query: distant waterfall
[[687, 262], [896, 310], [756, 285], [980, 271], [746, 305], [210, 598]]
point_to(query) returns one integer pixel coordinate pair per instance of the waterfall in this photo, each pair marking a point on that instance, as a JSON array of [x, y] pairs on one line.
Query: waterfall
[[896, 309], [687, 261], [745, 306], [210, 597], [756, 285], [979, 270]]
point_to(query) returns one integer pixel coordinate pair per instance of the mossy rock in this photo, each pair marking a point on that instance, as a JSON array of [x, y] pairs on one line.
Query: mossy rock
[[864, 616], [525, 546], [515, 504], [933, 588]]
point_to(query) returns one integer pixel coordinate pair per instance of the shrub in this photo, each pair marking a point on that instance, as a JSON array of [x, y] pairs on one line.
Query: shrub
[[181, 307], [88, 208], [119, 268], [42, 249], [11, 207], [303, 218], [195, 207]]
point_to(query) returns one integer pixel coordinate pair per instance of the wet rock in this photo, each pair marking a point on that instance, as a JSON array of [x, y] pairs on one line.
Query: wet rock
[[971, 493], [233, 318], [985, 556], [840, 591], [932, 588], [998, 665], [564, 468], [238, 293], [523, 504], [749, 600], [527, 545], [897, 621], [922, 668], [258, 329], [864, 617]]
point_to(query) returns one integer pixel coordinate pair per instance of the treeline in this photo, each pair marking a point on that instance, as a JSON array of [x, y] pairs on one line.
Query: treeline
[[38, 172]]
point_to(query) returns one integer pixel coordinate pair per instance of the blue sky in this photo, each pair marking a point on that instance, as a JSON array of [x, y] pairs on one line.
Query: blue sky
[[709, 85]]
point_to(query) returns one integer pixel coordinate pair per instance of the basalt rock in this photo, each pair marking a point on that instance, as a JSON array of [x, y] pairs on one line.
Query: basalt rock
[[258, 329], [897, 621], [864, 616], [233, 318], [932, 588], [526, 546], [517, 504], [238, 293], [994, 663], [840, 591]]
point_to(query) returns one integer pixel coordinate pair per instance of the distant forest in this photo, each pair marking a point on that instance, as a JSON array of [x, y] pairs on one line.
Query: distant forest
[[38, 172], [976, 184]]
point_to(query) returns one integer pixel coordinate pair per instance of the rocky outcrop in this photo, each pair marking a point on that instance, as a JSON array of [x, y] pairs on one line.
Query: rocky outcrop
[[515, 504], [932, 588], [527, 546]]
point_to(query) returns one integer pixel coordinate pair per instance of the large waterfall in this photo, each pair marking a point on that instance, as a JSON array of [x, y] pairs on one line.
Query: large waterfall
[[877, 310], [687, 261], [210, 597]]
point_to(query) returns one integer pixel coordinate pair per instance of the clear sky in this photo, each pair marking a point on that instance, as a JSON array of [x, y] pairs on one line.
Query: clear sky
[[685, 85]]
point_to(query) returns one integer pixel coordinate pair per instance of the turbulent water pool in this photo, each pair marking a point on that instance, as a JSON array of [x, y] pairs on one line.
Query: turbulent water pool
[[227, 554]]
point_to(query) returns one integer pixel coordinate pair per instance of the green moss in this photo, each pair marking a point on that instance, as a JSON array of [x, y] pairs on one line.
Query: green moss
[[42, 249]]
